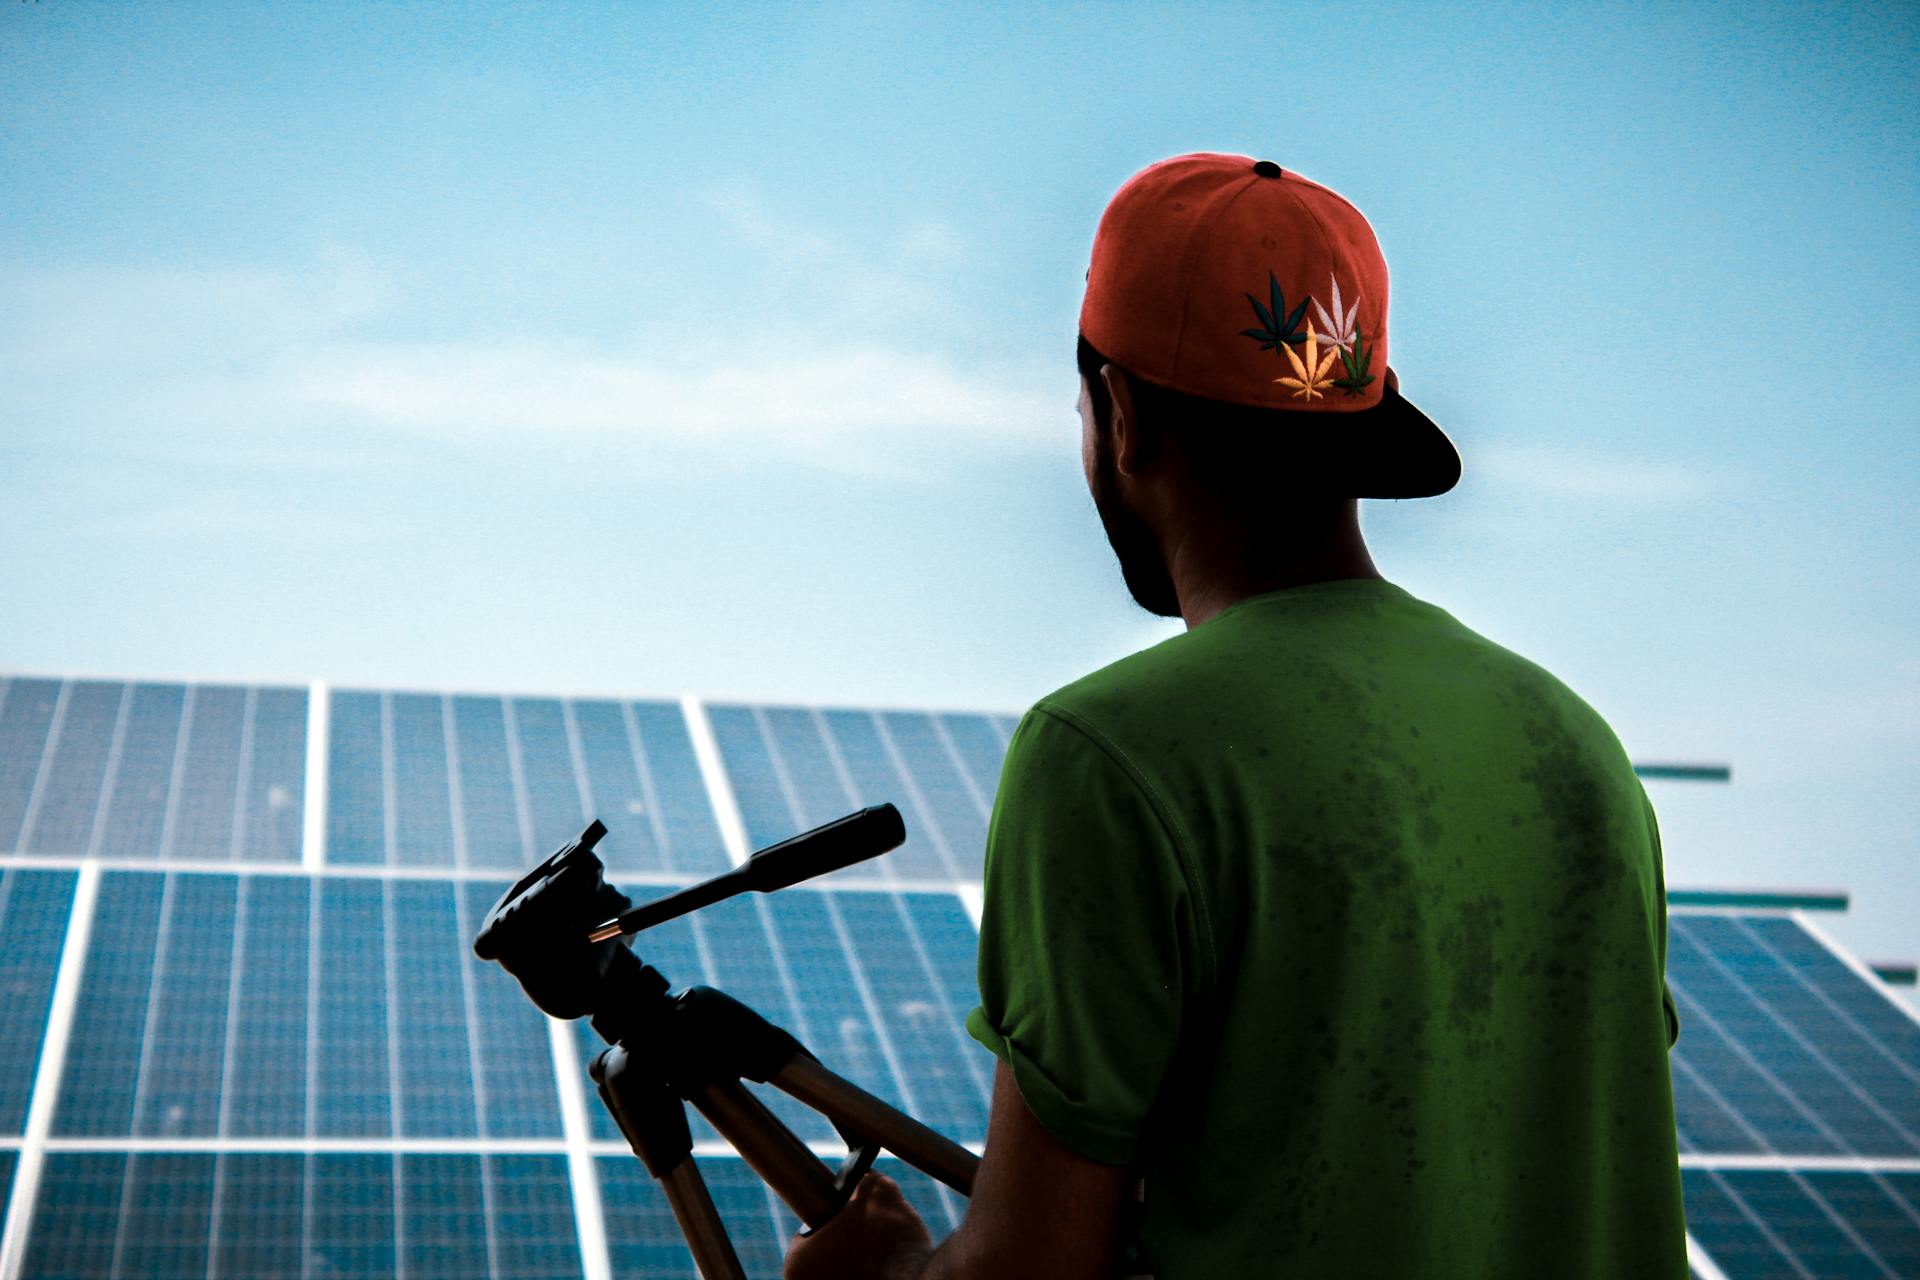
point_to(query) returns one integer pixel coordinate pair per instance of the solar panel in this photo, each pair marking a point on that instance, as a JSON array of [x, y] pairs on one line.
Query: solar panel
[[1807, 1222], [258, 1005], [349, 1214], [33, 923], [469, 781], [792, 768], [270, 1070], [1784, 1057], [176, 771]]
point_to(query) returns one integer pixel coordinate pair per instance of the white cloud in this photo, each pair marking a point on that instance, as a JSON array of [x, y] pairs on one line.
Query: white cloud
[[93, 321], [1585, 474], [823, 394], [171, 353]]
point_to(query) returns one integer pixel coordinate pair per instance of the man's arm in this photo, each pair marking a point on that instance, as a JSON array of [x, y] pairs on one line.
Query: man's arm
[[1039, 1209]]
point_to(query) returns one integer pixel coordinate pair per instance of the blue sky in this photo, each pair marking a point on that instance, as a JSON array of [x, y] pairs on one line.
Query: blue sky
[[728, 350]]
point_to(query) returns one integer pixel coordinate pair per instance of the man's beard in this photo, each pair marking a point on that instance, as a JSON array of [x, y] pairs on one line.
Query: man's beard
[[1141, 563]]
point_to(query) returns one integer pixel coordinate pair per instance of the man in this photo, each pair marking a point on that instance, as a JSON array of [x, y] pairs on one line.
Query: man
[[1327, 938]]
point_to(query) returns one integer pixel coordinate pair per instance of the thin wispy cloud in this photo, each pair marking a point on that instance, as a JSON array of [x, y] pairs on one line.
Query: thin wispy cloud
[[309, 346], [831, 392], [1589, 474]]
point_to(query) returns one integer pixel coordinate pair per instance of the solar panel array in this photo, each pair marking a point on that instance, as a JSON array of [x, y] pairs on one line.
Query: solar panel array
[[243, 1033]]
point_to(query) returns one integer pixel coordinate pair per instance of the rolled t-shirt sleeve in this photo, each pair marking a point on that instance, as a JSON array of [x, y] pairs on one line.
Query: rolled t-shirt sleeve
[[1092, 946]]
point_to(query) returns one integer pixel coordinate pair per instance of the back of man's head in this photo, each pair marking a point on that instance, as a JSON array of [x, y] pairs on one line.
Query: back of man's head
[[1244, 459]]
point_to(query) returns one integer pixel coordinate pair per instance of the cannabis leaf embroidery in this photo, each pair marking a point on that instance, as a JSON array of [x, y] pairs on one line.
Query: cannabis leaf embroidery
[[1337, 328], [1356, 364], [1273, 331], [1313, 373]]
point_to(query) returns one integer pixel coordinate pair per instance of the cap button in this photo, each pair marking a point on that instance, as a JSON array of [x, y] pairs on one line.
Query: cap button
[[1266, 168]]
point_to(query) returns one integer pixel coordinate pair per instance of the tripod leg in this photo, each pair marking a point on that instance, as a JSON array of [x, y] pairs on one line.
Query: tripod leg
[[783, 1162], [854, 1109], [699, 1221], [654, 1121]]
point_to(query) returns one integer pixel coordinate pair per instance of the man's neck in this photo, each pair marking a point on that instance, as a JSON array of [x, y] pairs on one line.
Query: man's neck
[[1212, 569]]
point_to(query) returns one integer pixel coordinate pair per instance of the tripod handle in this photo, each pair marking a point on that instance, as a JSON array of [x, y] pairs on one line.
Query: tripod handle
[[865, 834]]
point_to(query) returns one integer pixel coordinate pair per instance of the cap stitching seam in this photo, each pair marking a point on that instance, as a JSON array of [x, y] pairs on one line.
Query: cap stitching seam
[[1201, 233]]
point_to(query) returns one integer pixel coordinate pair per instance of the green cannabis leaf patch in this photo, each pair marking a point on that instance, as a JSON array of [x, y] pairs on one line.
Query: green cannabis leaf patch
[[1356, 363], [1272, 331]]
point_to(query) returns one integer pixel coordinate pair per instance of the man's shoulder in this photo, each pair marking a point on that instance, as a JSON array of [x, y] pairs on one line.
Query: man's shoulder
[[1110, 699]]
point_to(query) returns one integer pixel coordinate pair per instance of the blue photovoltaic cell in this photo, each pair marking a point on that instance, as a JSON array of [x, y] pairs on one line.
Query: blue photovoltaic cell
[[183, 1056], [819, 792], [266, 1092], [947, 1072], [423, 805], [490, 813], [8, 1159], [349, 1219], [166, 1216], [69, 794], [353, 1072], [533, 1230], [110, 1015], [26, 715], [34, 909], [356, 788], [76, 1215], [845, 1037], [143, 775], [953, 944], [980, 748], [275, 796], [692, 838], [1760, 1223], [435, 1058], [1768, 1060], [444, 1218], [556, 810], [954, 809], [205, 802], [764, 811], [261, 1201]]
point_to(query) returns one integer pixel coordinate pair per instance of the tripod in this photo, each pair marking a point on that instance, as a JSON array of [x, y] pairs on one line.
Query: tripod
[[665, 1052]]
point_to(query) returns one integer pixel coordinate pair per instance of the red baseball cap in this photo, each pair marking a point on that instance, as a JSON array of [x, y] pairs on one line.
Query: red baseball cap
[[1237, 280]]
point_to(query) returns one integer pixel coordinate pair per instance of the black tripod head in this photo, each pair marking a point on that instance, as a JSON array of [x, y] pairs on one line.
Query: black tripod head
[[563, 931], [537, 931]]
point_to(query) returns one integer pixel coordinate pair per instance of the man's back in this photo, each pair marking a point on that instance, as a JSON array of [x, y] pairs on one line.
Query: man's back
[[1346, 927]]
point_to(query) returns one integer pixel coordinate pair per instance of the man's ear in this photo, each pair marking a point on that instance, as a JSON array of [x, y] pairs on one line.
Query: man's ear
[[1133, 447]]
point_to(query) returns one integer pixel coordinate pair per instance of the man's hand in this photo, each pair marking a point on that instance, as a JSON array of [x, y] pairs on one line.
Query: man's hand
[[1040, 1211], [877, 1236]]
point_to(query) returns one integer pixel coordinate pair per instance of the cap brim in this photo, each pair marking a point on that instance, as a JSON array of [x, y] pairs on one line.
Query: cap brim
[[1389, 451]]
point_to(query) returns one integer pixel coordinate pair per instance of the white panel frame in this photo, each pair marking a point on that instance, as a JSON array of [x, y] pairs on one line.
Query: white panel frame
[[46, 1080]]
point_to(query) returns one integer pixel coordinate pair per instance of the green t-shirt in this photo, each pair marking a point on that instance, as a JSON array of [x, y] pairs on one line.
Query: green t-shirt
[[1345, 928]]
